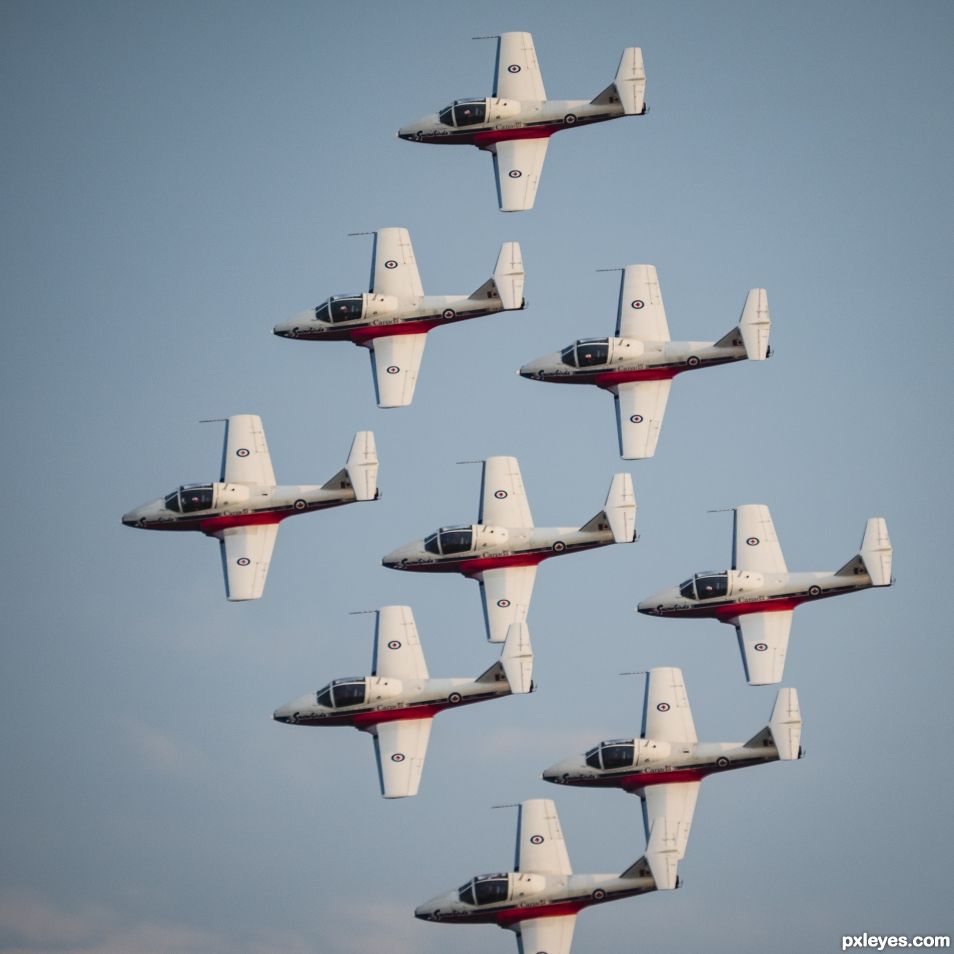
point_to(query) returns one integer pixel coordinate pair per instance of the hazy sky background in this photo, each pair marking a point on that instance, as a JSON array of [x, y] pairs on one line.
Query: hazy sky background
[[179, 177]]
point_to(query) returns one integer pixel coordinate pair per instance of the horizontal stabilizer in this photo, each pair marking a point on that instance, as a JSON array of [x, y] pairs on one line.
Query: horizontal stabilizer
[[507, 281], [362, 466], [875, 555], [620, 508], [663, 854], [517, 658], [784, 730], [629, 86], [754, 325]]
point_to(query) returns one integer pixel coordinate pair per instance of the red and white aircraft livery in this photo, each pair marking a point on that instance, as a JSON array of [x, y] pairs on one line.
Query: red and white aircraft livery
[[540, 899], [397, 702], [392, 320], [667, 763], [501, 551], [758, 595], [515, 123], [638, 364], [244, 508]]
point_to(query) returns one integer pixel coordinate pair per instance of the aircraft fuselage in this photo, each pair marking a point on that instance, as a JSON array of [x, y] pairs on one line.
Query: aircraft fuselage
[[658, 763], [506, 119], [533, 895], [750, 592], [629, 359], [383, 315], [494, 547], [233, 505], [390, 699]]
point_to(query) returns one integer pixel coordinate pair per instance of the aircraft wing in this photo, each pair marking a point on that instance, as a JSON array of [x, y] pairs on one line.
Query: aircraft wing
[[670, 805], [755, 545], [540, 845], [641, 313], [395, 360], [763, 640], [517, 166], [245, 457], [393, 266], [518, 73], [666, 713], [503, 501], [640, 407], [246, 553], [400, 747], [553, 935], [506, 596], [397, 647]]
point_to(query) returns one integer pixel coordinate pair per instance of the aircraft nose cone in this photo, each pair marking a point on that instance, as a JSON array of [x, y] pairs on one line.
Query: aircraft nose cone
[[131, 519], [557, 773], [652, 605], [395, 559]]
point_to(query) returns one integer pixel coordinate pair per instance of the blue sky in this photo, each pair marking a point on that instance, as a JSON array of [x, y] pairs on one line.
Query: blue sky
[[180, 177]]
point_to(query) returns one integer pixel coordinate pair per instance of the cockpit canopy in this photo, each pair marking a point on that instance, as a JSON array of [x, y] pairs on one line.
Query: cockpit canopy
[[464, 112], [189, 498], [485, 889], [614, 754], [586, 352], [349, 691], [340, 308], [450, 540], [705, 586]]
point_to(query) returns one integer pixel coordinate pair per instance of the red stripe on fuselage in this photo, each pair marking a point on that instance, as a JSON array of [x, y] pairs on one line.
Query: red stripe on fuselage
[[608, 379], [491, 136], [478, 565], [558, 909], [216, 524]]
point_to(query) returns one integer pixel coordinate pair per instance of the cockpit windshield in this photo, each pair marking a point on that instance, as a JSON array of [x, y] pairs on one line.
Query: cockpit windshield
[[617, 753], [586, 353], [340, 308], [710, 585], [489, 889], [350, 691], [464, 112], [450, 540], [190, 498]]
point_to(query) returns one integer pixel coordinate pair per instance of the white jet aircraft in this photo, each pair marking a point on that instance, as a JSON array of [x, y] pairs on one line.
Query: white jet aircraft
[[392, 320], [501, 551], [667, 763], [397, 702], [638, 364], [244, 508], [758, 595], [515, 123], [540, 899]]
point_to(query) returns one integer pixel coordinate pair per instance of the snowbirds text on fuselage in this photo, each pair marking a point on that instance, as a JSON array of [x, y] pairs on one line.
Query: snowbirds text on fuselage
[[516, 121], [397, 702], [502, 550], [392, 320], [243, 509], [667, 763], [638, 364], [540, 899], [758, 595]]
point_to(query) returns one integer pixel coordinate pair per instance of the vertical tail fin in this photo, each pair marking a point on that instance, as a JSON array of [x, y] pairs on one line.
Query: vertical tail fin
[[360, 471], [507, 281], [875, 555], [629, 85], [752, 331]]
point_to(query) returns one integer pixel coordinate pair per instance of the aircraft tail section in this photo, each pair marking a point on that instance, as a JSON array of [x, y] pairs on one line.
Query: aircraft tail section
[[875, 555], [515, 663], [752, 331], [660, 861], [360, 472], [784, 730], [629, 85], [507, 281], [619, 512]]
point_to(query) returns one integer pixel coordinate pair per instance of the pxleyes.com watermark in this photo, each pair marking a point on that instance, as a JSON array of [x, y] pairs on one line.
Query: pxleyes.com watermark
[[879, 942]]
